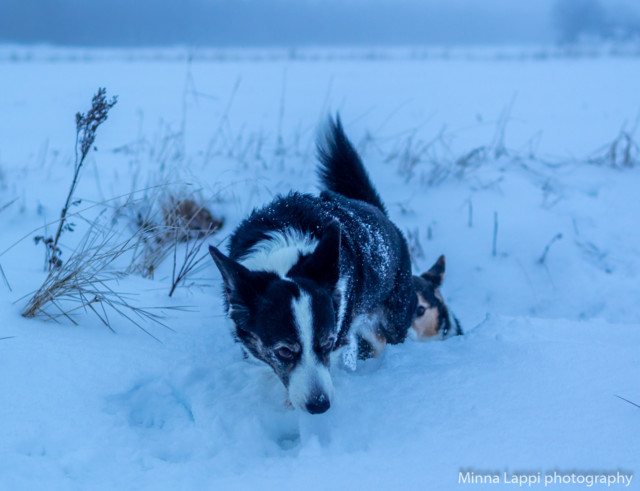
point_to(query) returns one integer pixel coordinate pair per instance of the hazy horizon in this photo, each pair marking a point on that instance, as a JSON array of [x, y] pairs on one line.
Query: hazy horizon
[[274, 22], [254, 23]]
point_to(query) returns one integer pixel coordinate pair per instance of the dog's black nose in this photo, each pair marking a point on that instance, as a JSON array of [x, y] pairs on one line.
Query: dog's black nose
[[318, 404]]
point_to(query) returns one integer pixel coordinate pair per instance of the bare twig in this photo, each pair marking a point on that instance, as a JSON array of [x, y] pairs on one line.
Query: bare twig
[[7, 205], [498, 145], [415, 247], [542, 258], [191, 262], [627, 400], [494, 249], [86, 127], [224, 119], [280, 140], [4, 277]]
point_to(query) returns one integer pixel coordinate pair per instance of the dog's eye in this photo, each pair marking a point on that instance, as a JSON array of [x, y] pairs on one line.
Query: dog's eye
[[327, 344], [420, 311], [284, 353]]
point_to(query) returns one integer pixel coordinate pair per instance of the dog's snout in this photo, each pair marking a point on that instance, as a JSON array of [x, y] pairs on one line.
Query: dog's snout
[[318, 404]]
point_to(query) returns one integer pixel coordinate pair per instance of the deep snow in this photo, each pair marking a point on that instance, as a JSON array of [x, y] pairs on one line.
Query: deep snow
[[532, 384]]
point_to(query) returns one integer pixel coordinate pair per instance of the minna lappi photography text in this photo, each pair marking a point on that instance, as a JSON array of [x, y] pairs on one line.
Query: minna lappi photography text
[[554, 477]]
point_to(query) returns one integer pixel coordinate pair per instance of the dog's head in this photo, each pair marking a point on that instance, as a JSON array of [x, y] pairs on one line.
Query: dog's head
[[432, 318], [289, 322]]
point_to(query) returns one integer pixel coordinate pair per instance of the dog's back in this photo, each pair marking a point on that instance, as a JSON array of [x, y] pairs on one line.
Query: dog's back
[[341, 171], [374, 265]]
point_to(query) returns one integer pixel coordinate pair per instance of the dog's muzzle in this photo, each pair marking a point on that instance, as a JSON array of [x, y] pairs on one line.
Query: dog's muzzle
[[318, 403], [311, 389]]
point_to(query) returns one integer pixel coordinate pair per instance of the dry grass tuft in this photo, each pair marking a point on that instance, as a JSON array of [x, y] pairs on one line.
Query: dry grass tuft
[[189, 219], [622, 152], [416, 252], [88, 282], [192, 261], [165, 221]]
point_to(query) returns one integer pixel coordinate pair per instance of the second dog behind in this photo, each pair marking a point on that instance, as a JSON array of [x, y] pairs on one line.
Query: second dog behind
[[433, 319]]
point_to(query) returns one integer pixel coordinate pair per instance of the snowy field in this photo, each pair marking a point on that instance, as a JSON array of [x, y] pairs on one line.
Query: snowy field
[[523, 170]]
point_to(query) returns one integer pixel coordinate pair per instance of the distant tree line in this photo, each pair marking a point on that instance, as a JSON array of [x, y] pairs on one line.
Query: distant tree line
[[300, 22], [252, 22], [576, 20]]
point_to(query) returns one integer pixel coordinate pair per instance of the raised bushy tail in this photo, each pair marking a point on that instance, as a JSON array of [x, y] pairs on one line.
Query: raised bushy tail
[[341, 169]]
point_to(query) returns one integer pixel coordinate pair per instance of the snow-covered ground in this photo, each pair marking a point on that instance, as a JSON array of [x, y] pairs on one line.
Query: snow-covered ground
[[488, 160]]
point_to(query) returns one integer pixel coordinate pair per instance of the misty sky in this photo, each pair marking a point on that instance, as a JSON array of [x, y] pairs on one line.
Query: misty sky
[[281, 22]]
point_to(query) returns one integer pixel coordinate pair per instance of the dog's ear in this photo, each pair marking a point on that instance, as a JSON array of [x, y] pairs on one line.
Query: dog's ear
[[241, 285], [435, 275], [322, 265]]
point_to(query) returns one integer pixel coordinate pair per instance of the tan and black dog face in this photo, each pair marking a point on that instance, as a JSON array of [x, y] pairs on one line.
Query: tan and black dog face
[[432, 319]]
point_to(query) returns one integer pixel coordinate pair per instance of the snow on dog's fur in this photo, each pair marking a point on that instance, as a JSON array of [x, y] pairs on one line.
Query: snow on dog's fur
[[303, 273]]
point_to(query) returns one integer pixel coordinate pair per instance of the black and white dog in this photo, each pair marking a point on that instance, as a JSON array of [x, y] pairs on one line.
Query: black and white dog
[[307, 275]]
